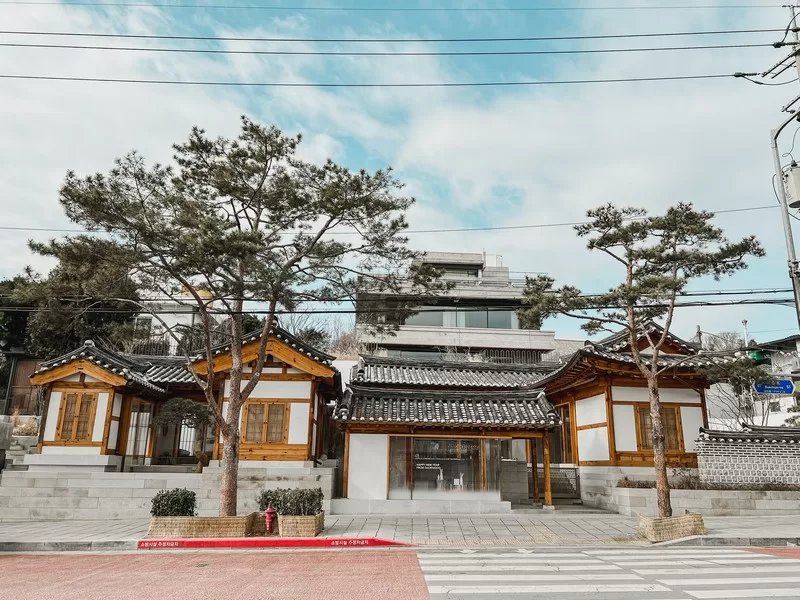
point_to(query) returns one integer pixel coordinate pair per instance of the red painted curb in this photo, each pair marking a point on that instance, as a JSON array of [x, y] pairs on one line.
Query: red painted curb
[[266, 542]]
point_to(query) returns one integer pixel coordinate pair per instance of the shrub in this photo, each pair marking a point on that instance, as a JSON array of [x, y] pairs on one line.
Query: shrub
[[694, 483], [635, 483], [296, 502], [174, 503]]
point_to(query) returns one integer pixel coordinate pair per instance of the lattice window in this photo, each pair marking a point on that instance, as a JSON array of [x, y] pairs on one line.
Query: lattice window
[[77, 417], [275, 423], [264, 422], [670, 420]]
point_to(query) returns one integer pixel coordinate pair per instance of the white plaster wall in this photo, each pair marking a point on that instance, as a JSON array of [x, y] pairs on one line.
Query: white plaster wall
[[692, 421], [100, 417], [590, 410], [624, 428], [295, 370], [277, 389], [593, 444], [116, 410], [639, 394], [77, 377], [71, 450], [298, 422], [113, 431], [52, 417], [368, 455]]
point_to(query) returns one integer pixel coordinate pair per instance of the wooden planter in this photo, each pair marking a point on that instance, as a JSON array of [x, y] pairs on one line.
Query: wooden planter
[[671, 528], [293, 526], [206, 527]]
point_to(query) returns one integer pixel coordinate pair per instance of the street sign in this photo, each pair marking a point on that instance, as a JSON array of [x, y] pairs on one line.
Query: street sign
[[783, 387]]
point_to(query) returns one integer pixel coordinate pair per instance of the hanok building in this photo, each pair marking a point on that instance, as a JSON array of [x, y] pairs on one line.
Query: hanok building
[[422, 431], [423, 437], [603, 401], [100, 405]]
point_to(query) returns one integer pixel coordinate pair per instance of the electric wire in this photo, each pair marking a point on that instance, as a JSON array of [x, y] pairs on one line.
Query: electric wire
[[412, 231], [362, 40], [384, 9], [377, 53], [438, 84]]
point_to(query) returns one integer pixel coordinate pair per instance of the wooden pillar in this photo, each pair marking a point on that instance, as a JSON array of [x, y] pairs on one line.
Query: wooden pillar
[[548, 493], [346, 466], [534, 469]]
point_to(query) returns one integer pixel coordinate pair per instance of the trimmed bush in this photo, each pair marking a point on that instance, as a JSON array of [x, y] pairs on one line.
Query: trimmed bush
[[292, 502], [174, 503]]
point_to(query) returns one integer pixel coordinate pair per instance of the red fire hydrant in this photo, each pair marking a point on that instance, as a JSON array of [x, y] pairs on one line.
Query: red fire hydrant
[[269, 519]]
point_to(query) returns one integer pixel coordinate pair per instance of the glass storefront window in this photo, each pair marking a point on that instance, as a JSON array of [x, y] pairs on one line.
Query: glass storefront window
[[424, 468]]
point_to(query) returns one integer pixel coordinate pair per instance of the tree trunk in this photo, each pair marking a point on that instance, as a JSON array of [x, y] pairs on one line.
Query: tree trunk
[[659, 450], [229, 481]]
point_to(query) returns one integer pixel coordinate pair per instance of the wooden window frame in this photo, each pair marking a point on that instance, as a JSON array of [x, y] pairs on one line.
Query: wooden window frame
[[266, 403], [72, 441], [681, 449]]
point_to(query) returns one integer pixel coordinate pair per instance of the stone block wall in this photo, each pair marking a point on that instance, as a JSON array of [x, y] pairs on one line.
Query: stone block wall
[[83, 495], [711, 503], [748, 462]]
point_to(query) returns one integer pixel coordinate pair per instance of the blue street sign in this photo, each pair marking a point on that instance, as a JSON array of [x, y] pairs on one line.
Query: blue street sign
[[783, 387]]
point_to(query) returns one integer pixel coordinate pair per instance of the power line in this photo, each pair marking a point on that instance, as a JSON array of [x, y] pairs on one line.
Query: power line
[[369, 53], [136, 309], [315, 8], [439, 84], [411, 231], [385, 40]]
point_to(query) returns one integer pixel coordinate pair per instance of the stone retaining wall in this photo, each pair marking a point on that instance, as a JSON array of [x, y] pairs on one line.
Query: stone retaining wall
[[748, 462], [82, 495], [711, 503]]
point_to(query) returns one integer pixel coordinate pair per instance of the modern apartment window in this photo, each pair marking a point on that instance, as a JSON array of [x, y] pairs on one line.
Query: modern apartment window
[[670, 420], [264, 422], [775, 407], [476, 318], [77, 417], [427, 318], [500, 319]]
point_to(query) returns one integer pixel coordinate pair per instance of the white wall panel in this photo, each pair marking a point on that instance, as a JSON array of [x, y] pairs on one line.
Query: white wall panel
[[624, 428], [366, 474], [113, 432], [278, 389], [590, 410], [639, 394], [692, 421], [593, 444], [298, 423], [117, 409], [100, 417], [52, 417]]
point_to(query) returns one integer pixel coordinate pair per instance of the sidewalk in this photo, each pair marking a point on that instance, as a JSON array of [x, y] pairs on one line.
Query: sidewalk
[[556, 529]]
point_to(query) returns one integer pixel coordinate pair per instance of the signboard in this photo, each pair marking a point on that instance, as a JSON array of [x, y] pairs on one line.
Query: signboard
[[783, 387]]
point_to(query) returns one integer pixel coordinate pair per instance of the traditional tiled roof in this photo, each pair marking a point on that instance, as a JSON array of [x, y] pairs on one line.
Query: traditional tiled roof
[[621, 339], [376, 370], [753, 434], [285, 337], [156, 373], [524, 408], [116, 363]]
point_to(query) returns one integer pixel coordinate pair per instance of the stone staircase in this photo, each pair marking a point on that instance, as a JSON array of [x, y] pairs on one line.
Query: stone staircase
[[20, 446]]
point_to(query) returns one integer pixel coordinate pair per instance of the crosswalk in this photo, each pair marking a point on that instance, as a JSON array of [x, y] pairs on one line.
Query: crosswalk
[[632, 573]]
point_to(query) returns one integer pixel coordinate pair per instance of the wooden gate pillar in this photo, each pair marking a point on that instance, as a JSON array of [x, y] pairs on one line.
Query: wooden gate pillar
[[548, 493]]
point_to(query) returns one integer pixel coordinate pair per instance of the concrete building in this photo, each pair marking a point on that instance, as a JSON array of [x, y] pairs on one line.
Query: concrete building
[[475, 320]]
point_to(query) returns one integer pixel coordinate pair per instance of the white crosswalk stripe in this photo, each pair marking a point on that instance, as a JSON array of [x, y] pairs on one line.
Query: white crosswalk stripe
[[641, 573]]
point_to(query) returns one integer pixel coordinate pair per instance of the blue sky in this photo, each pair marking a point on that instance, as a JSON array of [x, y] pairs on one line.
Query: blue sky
[[471, 157]]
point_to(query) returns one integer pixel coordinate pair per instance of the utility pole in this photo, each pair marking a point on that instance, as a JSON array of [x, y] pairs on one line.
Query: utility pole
[[776, 157]]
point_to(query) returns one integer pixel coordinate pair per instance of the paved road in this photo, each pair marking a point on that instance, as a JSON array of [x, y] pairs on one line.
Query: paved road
[[685, 573]]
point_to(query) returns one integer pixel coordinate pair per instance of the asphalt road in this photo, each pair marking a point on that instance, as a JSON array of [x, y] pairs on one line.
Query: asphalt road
[[610, 573]]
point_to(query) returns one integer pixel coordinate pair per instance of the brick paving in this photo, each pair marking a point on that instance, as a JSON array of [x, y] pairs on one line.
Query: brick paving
[[439, 530], [332, 575]]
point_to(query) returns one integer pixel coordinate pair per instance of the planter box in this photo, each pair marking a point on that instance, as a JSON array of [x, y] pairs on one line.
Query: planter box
[[206, 527], [305, 526], [671, 528]]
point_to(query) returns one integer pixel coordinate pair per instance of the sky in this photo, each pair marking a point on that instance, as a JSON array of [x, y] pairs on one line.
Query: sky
[[472, 157]]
